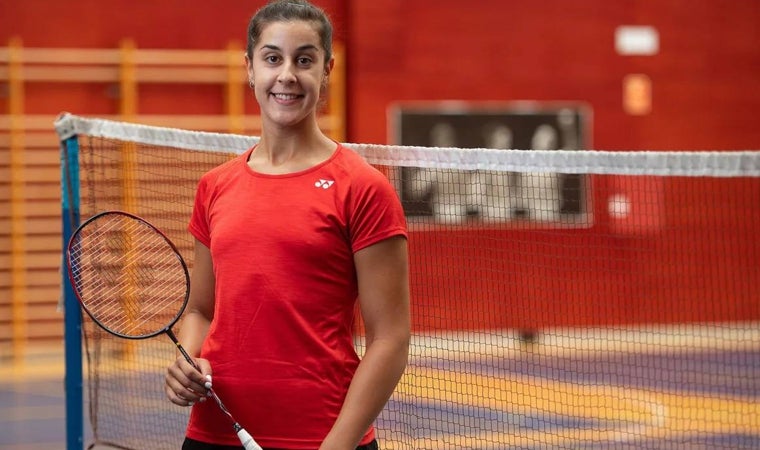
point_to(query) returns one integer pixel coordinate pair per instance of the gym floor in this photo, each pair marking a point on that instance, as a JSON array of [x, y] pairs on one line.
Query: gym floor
[[531, 396]]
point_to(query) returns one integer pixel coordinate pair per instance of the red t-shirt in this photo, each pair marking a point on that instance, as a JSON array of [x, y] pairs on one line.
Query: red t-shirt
[[281, 343]]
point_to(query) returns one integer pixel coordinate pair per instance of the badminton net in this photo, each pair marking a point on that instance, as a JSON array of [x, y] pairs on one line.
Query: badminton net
[[566, 299]]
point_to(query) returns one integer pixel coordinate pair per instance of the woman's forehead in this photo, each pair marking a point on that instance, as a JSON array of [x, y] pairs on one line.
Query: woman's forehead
[[294, 34]]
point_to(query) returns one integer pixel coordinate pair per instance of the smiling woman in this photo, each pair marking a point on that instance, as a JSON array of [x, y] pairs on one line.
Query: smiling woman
[[288, 71], [289, 59], [290, 237]]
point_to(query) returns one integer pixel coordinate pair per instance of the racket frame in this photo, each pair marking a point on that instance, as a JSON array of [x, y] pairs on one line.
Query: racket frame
[[70, 265]]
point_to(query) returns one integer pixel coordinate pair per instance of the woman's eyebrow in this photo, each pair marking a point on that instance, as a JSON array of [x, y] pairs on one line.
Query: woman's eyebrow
[[300, 49]]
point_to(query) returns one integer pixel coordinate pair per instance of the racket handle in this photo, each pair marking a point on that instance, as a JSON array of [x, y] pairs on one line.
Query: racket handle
[[247, 440]]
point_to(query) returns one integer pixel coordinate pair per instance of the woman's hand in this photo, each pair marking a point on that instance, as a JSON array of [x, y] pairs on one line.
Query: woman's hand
[[184, 384]]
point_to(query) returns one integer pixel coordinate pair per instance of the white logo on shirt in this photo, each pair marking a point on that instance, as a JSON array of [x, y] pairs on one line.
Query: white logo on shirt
[[324, 184]]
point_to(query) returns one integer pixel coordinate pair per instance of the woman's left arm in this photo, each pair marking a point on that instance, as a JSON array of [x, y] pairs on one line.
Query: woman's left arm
[[383, 276]]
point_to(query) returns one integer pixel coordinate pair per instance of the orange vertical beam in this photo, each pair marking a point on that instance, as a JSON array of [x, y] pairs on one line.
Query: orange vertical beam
[[128, 81], [336, 103], [235, 88], [18, 214], [128, 111]]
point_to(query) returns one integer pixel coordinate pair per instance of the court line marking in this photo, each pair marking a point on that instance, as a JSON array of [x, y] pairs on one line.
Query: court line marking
[[634, 410], [734, 336], [645, 415]]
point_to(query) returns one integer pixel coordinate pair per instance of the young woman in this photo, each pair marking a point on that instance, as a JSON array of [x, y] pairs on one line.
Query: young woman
[[288, 237]]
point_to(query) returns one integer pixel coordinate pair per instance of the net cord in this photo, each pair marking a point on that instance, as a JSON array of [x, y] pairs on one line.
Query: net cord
[[733, 163]]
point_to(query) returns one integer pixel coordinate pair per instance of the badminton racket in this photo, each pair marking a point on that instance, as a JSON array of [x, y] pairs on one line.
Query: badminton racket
[[132, 281]]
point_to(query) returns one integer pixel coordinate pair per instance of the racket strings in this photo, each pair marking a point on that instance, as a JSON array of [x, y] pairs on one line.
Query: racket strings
[[129, 277]]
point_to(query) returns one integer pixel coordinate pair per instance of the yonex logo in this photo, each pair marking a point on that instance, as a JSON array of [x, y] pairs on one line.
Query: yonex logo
[[324, 184]]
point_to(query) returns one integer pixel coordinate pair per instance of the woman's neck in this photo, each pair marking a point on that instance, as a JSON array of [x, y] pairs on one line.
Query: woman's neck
[[285, 150]]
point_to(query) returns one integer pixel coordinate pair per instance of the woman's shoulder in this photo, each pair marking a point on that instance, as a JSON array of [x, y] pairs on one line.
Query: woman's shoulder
[[363, 176], [357, 164], [224, 169]]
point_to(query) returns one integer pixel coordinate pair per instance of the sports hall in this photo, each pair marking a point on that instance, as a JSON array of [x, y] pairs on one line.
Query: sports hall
[[582, 188]]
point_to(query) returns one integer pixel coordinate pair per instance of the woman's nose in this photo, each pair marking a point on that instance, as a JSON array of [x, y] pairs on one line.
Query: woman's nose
[[286, 74]]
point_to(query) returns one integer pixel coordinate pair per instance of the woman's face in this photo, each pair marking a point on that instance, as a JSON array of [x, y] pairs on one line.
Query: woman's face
[[288, 70]]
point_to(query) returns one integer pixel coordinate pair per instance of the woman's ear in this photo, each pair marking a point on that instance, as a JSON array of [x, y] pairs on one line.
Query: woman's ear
[[328, 68], [249, 69]]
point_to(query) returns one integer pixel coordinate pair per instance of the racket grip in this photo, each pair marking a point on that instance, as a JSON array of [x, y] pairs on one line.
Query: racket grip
[[247, 440]]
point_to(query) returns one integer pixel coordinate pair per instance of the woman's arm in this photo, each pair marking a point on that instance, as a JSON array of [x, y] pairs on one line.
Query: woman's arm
[[184, 384], [383, 276]]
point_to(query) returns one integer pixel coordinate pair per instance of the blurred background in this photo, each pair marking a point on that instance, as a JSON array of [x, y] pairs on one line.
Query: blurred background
[[653, 74], [639, 74]]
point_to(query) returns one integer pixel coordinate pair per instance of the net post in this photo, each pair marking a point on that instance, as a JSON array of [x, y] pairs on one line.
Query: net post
[[70, 217]]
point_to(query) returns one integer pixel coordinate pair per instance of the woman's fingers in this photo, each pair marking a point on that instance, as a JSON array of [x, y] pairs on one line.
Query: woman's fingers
[[184, 385]]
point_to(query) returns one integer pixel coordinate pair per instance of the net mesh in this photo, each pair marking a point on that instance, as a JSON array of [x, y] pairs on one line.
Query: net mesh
[[559, 299]]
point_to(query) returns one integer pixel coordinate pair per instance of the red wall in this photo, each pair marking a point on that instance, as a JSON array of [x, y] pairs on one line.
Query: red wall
[[175, 24], [155, 24], [704, 78], [699, 262], [705, 96], [669, 263]]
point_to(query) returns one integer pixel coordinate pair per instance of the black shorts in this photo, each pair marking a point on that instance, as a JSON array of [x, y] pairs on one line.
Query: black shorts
[[192, 444]]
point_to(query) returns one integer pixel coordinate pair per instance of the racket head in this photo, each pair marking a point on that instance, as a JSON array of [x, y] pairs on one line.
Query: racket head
[[127, 275]]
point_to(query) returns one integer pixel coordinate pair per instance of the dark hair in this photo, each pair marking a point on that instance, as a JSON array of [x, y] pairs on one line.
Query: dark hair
[[290, 11]]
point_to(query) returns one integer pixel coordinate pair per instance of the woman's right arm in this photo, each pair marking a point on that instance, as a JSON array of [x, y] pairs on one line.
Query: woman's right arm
[[184, 384]]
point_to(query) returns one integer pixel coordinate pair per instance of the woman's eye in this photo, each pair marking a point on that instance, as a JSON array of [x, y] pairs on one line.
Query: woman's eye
[[304, 61], [271, 59]]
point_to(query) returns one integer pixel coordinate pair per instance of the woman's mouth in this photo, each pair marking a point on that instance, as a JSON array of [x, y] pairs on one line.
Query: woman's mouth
[[285, 97]]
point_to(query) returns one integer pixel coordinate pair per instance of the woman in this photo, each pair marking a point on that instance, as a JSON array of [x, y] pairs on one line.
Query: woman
[[288, 237]]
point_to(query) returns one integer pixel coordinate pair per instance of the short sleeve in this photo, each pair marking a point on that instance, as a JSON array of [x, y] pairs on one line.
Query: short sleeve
[[377, 213], [199, 224]]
